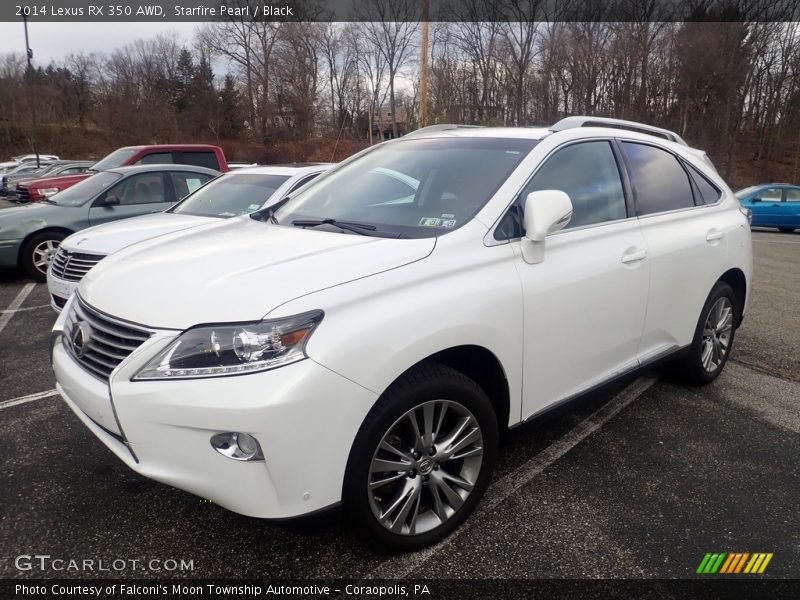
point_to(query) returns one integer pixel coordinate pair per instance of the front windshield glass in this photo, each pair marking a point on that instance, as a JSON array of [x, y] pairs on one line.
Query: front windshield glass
[[85, 190], [114, 160], [746, 191], [231, 195], [410, 188]]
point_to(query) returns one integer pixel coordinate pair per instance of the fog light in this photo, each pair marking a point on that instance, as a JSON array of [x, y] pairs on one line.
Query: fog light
[[238, 446]]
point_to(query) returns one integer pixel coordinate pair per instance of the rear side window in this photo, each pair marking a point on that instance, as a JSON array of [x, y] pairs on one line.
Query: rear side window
[[707, 192], [793, 195], [658, 179], [156, 158], [200, 159]]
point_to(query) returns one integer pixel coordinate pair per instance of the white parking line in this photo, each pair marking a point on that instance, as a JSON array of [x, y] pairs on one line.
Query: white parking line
[[28, 398], [5, 317], [18, 310], [501, 490]]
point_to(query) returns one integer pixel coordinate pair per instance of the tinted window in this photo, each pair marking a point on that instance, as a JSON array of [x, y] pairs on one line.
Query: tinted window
[[709, 193], [156, 158], [658, 179], [200, 159], [793, 195], [303, 181], [414, 188], [589, 175], [231, 195], [147, 188], [85, 190]]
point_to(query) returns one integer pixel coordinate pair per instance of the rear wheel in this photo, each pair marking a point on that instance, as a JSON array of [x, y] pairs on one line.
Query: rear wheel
[[713, 338], [38, 252], [422, 459], [786, 229]]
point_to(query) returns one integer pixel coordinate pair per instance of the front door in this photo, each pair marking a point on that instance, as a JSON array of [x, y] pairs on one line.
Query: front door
[[585, 304]]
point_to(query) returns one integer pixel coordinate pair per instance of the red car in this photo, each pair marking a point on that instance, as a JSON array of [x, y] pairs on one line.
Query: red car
[[200, 155]]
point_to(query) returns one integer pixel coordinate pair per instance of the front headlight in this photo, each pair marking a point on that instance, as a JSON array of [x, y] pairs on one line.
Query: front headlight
[[47, 192], [233, 349]]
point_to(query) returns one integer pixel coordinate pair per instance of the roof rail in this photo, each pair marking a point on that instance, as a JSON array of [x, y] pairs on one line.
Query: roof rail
[[440, 127], [571, 122]]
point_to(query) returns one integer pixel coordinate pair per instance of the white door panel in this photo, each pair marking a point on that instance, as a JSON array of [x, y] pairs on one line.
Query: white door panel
[[687, 250], [584, 310]]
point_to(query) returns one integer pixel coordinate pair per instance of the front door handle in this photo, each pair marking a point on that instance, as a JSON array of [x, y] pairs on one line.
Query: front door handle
[[714, 235], [634, 255]]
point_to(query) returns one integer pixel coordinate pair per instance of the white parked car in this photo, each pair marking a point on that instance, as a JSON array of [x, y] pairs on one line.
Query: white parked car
[[366, 342], [230, 195], [26, 158]]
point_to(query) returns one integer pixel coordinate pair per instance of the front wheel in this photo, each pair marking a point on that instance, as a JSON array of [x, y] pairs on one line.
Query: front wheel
[[421, 460], [713, 338], [38, 252]]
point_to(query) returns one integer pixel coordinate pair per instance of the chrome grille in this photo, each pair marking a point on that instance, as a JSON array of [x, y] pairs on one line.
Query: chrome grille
[[99, 342], [72, 266], [23, 194]]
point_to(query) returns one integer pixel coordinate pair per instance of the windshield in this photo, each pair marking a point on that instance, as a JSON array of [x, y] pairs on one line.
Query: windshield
[[413, 188], [231, 195], [746, 191], [85, 190], [114, 160]]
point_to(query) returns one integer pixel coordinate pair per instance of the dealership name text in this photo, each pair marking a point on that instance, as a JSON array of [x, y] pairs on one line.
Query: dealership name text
[[152, 10], [136, 590]]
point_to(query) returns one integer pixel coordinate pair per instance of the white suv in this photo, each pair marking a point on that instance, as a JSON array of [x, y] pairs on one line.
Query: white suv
[[366, 341]]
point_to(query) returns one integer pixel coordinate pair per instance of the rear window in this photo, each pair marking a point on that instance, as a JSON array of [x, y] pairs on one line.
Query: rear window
[[658, 179], [156, 158], [201, 159]]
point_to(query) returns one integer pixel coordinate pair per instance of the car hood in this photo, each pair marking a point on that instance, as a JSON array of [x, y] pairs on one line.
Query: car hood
[[235, 270], [111, 237], [56, 181]]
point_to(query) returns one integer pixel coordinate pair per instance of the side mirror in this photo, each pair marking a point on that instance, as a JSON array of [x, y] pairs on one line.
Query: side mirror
[[546, 211], [111, 201], [756, 199]]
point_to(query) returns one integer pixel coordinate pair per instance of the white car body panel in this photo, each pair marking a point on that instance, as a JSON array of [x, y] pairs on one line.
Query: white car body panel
[[557, 328]]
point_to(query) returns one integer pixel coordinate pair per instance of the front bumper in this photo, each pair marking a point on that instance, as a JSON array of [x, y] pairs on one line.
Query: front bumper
[[304, 416], [60, 290]]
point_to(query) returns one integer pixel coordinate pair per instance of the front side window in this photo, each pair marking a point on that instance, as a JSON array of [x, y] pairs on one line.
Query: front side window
[[658, 179], [156, 158], [147, 188], [769, 195], [231, 195], [409, 188]]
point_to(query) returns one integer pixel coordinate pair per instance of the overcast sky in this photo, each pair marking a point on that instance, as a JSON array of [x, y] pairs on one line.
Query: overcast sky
[[51, 41]]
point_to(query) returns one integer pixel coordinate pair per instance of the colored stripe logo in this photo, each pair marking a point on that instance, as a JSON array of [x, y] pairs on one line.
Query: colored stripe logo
[[730, 563]]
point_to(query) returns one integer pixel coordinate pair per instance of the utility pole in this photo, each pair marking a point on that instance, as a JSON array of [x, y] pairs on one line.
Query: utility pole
[[29, 73], [423, 65]]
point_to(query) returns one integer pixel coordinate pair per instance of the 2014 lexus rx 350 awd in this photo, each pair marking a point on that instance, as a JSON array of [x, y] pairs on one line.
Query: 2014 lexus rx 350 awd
[[366, 341]]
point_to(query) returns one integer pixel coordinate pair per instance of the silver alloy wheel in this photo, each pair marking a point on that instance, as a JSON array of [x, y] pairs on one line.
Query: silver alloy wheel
[[425, 467], [717, 335], [43, 254]]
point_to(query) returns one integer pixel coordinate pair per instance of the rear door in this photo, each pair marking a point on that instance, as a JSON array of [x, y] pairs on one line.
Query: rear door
[[138, 195], [687, 239], [791, 208]]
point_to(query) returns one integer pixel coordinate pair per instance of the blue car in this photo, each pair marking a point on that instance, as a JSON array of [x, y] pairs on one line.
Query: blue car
[[773, 205]]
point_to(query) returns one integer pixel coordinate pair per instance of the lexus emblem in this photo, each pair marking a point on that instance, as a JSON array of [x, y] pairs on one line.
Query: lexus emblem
[[79, 337]]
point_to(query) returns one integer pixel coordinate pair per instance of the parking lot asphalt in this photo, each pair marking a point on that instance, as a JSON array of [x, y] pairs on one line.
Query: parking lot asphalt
[[639, 480]]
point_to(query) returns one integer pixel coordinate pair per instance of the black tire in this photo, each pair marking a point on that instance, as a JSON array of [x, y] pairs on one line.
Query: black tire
[[690, 369], [26, 255], [786, 229], [427, 383]]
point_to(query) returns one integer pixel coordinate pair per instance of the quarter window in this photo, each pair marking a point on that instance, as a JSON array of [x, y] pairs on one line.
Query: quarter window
[[708, 192], [658, 179]]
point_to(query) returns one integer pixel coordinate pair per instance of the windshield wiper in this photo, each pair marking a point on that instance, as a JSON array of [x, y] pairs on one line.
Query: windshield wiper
[[359, 228]]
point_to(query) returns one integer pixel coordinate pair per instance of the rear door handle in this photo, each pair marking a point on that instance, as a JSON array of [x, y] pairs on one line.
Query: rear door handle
[[634, 255], [714, 235]]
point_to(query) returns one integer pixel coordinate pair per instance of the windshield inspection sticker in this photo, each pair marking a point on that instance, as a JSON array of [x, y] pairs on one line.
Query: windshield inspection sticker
[[253, 207], [450, 223], [429, 222]]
